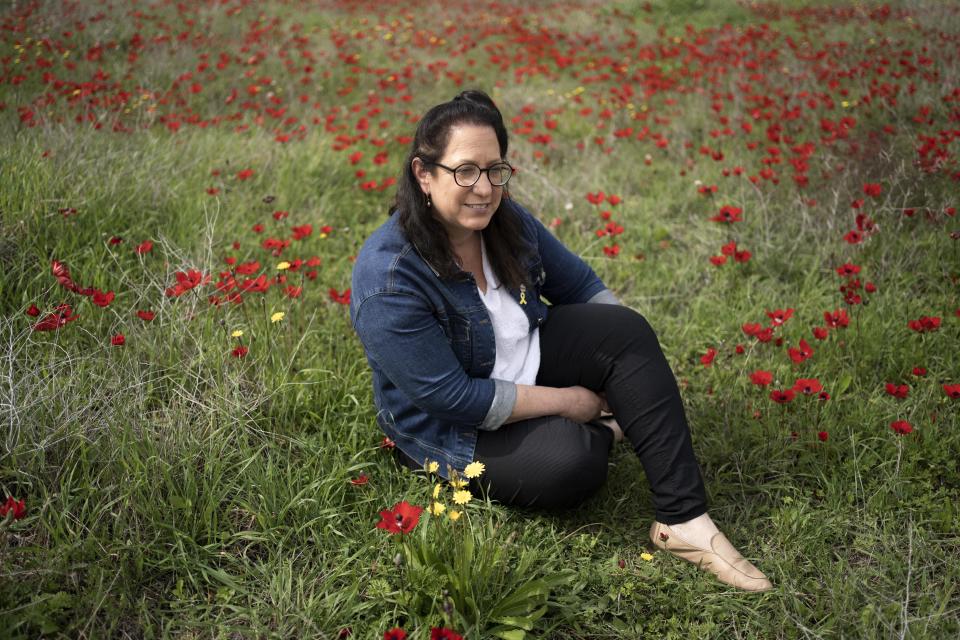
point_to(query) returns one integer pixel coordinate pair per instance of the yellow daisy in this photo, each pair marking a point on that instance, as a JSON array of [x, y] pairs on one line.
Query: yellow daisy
[[646, 556], [436, 490], [474, 469], [462, 497], [236, 334], [436, 508], [432, 467], [277, 317], [457, 483], [283, 266], [453, 514]]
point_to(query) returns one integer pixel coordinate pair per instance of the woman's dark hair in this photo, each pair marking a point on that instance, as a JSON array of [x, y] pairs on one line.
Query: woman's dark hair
[[503, 237]]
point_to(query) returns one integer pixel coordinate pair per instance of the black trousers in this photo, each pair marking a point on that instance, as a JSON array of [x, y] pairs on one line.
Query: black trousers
[[554, 463]]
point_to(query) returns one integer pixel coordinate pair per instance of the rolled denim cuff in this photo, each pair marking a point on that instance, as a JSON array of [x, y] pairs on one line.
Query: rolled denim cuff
[[504, 398], [605, 297]]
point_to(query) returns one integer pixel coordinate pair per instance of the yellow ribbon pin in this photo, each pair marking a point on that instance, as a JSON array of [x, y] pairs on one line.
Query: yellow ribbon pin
[[523, 294]]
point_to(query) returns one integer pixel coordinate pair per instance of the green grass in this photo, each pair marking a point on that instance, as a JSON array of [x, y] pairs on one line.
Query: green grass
[[173, 490]]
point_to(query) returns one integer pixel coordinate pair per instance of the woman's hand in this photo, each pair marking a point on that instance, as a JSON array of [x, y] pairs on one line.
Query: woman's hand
[[574, 403], [582, 405]]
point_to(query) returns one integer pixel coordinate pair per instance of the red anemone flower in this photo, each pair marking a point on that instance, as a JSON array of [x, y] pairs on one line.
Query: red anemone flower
[[802, 353], [751, 328], [302, 231], [340, 298], [146, 316], [901, 427], [239, 351], [837, 319], [807, 386], [442, 633], [848, 269], [728, 214], [395, 634], [707, 359], [118, 340], [60, 316], [898, 391], [18, 507], [782, 397], [596, 198], [144, 247], [761, 378], [925, 324], [779, 316], [822, 436], [248, 268], [853, 237], [102, 299], [952, 391], [766, 335], [402, 518]]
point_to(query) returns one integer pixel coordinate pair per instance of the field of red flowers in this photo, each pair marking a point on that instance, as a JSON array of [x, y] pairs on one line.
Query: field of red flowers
[[189, 443]]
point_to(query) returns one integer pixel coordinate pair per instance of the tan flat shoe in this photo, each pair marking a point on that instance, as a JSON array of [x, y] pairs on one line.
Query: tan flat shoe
[[722, 559]]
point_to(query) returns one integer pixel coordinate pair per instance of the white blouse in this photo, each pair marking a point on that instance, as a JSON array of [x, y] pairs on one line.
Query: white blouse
[[518, 348]]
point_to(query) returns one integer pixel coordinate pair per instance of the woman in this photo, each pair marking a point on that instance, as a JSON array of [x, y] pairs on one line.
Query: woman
[[469, 363]]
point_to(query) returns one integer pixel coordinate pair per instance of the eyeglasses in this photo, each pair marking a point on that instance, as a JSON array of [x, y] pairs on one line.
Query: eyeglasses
[[466, 175]]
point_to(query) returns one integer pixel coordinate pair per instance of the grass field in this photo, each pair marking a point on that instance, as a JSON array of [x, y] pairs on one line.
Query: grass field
[[187, 414]]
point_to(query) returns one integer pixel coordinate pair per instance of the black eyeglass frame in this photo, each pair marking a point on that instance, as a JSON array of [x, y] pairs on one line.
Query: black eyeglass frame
[[481, 172]]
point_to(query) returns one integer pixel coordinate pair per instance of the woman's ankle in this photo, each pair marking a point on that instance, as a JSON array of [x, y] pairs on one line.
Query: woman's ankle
[[697, 531]]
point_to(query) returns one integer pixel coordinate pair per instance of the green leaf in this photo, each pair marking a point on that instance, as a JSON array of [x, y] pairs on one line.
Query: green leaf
[[843, 384], [523, 622], [178, 502], [521, 600]]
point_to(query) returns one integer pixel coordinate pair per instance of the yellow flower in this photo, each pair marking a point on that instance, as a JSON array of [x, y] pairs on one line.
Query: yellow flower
[[462, 496], [436, 490], [283, 266], [453, 514], [646, 556], [474, 469], [236, 334], [457, 483], [436, 508], [432, 467], [277, 317]]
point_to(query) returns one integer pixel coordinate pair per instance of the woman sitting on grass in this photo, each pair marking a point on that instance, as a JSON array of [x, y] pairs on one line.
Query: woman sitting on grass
[[469, 363]]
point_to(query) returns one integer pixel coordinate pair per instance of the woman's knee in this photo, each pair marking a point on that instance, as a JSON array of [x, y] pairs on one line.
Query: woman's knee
[[572, 478], [633, 323]]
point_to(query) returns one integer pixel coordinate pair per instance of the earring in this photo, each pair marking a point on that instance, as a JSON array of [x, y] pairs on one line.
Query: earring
[[429, 202]]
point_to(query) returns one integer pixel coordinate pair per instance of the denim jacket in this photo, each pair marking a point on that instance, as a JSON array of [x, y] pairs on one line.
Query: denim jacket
[[430, 343]]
